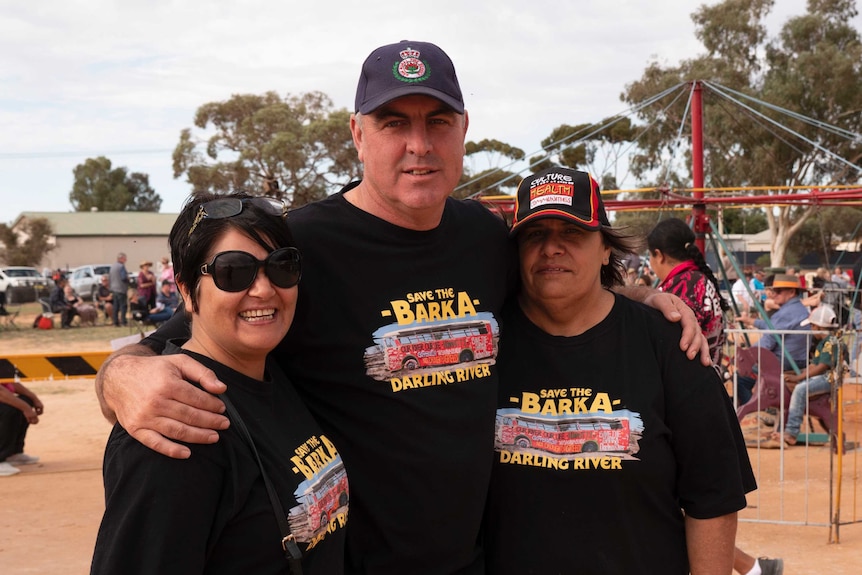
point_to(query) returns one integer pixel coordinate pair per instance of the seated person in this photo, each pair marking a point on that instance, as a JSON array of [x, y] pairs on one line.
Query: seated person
[[105, 298], [166, 303], [85, 310], [789, 348], [60, 303], [814, 380]]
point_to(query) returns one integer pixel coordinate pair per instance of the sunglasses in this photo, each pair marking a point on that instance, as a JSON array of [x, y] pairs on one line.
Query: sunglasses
[[236, 271], [230, 207]]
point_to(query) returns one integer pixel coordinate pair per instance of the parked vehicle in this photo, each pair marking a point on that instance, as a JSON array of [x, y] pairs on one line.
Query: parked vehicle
[[22, 284], [85, 279]]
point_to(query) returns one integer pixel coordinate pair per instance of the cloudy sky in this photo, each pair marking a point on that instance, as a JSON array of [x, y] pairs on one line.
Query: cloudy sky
[[121, 78]]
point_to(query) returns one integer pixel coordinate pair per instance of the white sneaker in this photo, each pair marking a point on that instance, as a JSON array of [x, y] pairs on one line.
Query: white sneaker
[[8, 469], [22, 459]]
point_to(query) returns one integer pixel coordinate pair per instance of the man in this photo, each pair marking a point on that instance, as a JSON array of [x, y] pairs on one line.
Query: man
[[393, 345], [598, 417], [105, 297], [166, 303], [119, 279], [789, 348]]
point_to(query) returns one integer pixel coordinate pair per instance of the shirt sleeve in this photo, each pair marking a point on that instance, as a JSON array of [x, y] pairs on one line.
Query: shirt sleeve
[[158, 511], [713, 469], [175, 328]]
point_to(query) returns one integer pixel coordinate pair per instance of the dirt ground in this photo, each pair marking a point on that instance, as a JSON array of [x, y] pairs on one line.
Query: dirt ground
[[50, 512]]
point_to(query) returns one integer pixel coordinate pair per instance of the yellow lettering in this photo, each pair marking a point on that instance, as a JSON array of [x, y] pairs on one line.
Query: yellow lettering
[[601, 403], [402, 311], [530, 403], [330, 447], [446, 311], [550, 407], [301, 467], [434, 311], [421, 313], [465, 305]]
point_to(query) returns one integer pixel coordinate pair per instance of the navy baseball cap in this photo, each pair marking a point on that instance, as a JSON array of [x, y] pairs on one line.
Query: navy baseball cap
[[560, 193], [404, 69]]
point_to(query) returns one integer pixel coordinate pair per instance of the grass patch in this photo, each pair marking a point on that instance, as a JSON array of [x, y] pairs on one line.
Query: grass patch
[[26, 336]]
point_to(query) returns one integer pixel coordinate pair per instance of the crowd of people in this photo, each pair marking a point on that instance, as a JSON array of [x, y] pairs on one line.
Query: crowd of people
[[151, 297]]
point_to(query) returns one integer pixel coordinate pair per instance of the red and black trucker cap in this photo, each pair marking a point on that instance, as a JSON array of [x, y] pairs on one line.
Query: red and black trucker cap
[[560, 193]]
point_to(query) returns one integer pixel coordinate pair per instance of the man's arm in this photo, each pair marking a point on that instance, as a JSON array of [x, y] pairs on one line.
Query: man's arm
[[151, 398], [692, 342], [710, 544]]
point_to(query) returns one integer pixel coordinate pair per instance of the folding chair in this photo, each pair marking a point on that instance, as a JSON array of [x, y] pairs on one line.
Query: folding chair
[[8, 317], [140, 317]]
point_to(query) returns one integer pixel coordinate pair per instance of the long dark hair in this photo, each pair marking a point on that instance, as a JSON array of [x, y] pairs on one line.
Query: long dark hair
[[676, 240]]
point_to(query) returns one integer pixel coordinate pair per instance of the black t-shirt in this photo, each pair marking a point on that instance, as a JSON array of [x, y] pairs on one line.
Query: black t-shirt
[[393, 349], [601, 439], [211, 513]]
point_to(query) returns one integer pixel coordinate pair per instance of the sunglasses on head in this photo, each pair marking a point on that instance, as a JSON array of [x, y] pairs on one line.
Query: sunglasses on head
[[230, 207], [235, 271]]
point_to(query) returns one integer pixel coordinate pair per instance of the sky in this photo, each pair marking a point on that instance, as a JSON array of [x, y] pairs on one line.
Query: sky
[[121, 78]]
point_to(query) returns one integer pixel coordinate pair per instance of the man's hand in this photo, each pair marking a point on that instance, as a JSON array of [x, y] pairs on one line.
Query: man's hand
[[693, 343], [151, 398]]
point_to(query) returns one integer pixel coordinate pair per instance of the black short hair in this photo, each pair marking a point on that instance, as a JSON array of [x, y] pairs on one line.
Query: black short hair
[[189, 252]]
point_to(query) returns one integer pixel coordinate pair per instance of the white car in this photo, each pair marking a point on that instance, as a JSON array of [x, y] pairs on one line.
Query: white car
[[85, 279], [23, 284]]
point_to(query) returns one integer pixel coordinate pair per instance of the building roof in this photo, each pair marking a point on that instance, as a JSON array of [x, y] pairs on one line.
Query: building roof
[[67, 224]]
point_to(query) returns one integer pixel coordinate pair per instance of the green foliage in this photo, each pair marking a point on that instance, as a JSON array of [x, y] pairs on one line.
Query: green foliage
[[297, 148], [106, 189], [37, 231], [596, 148], [493, 179], [813, 68], [743, 221]]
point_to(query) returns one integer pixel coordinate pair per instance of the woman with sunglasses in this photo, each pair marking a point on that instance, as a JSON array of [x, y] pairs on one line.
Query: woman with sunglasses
[[237, 271]]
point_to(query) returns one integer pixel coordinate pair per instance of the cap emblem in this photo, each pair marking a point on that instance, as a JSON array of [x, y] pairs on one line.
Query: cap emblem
[[552, 189], [410, 68]]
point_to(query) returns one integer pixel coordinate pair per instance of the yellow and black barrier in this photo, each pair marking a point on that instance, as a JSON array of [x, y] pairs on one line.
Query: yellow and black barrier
[[37, 366]]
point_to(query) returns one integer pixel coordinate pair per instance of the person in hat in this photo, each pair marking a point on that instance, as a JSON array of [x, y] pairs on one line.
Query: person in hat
[[599, 414], [790, 348], [815, 378], [146, 286], [400, 275]]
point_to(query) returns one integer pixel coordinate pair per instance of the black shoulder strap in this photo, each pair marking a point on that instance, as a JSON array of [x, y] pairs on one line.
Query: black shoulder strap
[[288, 542]]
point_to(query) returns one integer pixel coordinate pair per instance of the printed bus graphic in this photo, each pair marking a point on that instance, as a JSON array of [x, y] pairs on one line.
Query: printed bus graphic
[[321, 506], [563, 436], [437, 344], [319, 501]]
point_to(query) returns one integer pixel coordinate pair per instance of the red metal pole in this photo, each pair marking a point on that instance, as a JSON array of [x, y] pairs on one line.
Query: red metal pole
[[698, 211]]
